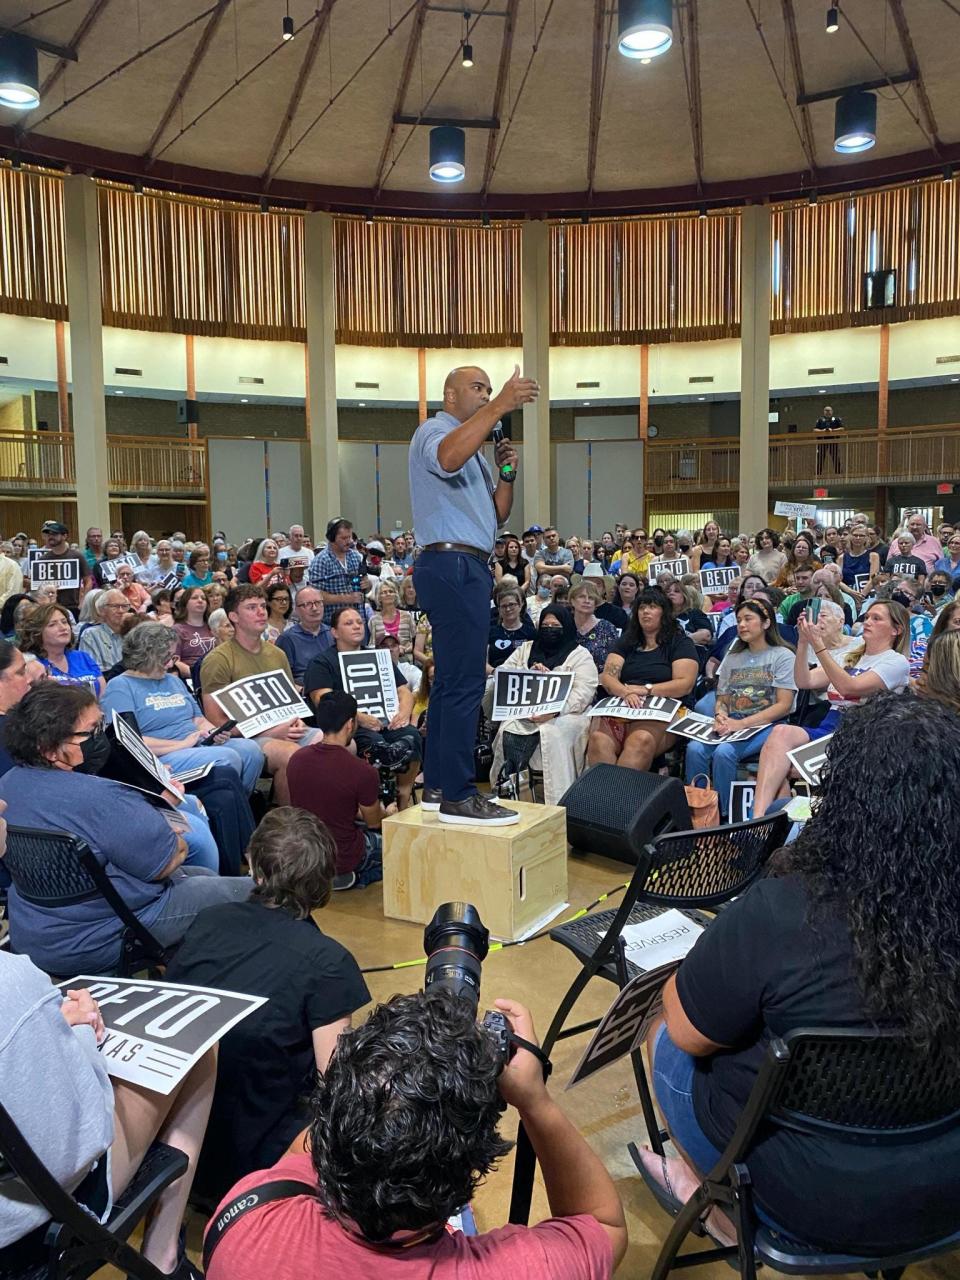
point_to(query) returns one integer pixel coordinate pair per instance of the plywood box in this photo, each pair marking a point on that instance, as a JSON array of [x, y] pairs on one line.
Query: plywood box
[[515, 876]]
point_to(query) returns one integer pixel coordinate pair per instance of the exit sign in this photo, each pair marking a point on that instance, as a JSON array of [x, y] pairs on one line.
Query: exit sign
[[822, 493], [945, 488]]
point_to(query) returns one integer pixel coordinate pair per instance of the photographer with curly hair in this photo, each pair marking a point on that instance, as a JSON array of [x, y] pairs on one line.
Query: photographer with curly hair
[[852, 929], [404, 1130]]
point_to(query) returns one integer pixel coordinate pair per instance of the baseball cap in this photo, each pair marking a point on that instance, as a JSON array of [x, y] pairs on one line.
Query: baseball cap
[[53, 526], [374, 545]]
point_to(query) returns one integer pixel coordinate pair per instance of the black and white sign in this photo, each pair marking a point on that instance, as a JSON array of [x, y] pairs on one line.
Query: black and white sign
[[108, 569], [860, 581], [809, 759], [261, 702], [652, 708], [625, 1024], [186, 776], [716, 580], [740, 807], [805, 510], [519, 693], [63, 572], [677, 567], [369, 675], [169, 581], [156, 1031], [127, 736], [700, 729]]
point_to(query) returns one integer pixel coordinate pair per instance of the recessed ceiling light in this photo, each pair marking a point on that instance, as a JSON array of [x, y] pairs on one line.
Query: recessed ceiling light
[[119, 393], [362, 404], [955, 379], [701, 397], [244, 400]]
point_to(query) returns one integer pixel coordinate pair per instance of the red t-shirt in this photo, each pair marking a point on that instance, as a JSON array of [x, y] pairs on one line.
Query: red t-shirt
[[295, 1240], [332, 783]]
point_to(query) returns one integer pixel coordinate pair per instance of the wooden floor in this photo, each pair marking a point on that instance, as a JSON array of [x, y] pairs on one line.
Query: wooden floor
[[605, 1109]]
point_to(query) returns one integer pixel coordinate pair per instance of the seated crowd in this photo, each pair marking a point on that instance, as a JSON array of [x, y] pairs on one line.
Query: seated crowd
[[391, 1125]]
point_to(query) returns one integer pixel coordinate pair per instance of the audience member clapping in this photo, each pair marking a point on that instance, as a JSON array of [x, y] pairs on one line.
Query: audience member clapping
[[271, 946], [854, 929], [47, 634], [56, 738]]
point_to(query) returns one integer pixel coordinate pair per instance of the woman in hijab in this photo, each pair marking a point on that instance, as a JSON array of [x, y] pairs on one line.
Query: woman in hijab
[[560, 739]]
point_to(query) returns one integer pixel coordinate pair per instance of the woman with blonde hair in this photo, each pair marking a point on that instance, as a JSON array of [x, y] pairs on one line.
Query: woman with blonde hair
[[596, 635], [940, 678], [142, 558], [879, 663], [391, 620]]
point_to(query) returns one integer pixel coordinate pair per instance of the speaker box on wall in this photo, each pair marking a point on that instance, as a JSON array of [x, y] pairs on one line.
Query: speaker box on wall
[[188, 411], [616, 811]]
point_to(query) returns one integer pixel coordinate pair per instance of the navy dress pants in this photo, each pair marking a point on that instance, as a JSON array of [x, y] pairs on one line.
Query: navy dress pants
[[454, 589]]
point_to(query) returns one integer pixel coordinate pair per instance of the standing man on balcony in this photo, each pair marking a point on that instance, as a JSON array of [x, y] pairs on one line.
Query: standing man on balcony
[[828, 427], [457, 508], [53, 535]]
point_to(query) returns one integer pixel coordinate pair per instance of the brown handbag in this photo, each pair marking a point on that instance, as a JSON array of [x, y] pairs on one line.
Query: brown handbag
[[703, 802]]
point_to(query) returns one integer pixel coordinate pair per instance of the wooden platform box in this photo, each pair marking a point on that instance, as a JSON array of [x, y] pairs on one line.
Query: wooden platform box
[[515, 876]]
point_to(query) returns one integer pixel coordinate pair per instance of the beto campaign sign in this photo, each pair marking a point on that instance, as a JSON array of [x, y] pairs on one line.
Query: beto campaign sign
[[651, 708], [369, 675], [156, 1031], [714, 581], [64, 572], [677, 567], [518, 693], [261, 702]]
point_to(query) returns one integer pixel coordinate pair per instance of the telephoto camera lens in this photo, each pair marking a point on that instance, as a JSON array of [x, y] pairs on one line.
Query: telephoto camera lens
[[456, 942]]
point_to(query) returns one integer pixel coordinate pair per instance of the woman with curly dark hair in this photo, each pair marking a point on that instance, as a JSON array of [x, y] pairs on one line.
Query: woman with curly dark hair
[[854, 930], [653, 656]]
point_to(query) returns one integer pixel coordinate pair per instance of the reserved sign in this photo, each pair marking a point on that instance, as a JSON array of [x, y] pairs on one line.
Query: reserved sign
[[261, 702], [156, 1031], [652, 708], [369, 675], [676, 567], [715, 581], [63, 572], [519, 693]]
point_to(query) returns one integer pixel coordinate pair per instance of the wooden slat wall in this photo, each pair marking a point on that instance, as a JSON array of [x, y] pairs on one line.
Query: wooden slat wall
[[33, 273]]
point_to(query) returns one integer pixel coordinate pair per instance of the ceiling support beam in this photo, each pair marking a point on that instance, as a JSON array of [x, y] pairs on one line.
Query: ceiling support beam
[[910, 55], [186, 80], [93, 14], [793, 42], [827, 95], [691, 72], [64, 51], [309, 58], [456, 122], [596, 92], [506, 49], [410, 57]]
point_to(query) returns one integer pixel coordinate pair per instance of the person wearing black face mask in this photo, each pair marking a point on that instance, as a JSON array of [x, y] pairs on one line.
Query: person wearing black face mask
[[554, 744], [55, 737], [939, 591]]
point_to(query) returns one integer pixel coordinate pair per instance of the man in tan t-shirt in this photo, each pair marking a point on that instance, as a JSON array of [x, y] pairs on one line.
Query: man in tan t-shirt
[[247, 654]]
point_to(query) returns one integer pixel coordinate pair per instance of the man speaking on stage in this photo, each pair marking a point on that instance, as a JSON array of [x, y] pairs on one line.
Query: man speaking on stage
[[456, 509]]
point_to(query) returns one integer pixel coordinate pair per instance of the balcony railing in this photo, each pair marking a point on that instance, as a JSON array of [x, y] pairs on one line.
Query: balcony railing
[[156, 466], [801, 462]]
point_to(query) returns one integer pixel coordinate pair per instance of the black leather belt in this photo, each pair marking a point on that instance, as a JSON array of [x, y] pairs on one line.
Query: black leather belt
[[461, 548]]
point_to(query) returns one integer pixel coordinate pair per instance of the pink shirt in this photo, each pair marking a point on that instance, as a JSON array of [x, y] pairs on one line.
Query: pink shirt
[[295, 1240], [928, 549]]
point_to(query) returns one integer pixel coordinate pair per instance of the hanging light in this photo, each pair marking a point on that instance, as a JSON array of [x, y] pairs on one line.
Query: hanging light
[[855, 122], [833, 19], [466, 55], [448, 149], [264, 204], [287, 31], [948, 173], [645, 28], [19, 77]]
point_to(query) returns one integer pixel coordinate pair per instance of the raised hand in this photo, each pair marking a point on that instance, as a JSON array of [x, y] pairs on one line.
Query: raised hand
[[516, 391]]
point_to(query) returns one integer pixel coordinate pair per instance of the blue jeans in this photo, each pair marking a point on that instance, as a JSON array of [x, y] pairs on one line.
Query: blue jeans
[[454, 589], [240, 754], [721, 762], [202, 849], [673, 1072]]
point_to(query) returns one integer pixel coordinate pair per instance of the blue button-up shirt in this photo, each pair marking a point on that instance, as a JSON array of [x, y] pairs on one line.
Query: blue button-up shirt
[[450, 506], [326, 573]]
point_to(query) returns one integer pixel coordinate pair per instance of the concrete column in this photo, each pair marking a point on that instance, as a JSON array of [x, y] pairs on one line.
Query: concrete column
[[754, 366], [82, 231], [322, 428], [535, 316]]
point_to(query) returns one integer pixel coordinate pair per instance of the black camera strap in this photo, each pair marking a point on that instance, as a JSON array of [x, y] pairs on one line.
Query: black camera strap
[[535, 1050]]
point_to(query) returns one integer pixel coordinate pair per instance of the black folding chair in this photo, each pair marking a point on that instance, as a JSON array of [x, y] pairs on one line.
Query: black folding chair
[[75, 1244], [866, 1087], [694, 871], [56, 869]]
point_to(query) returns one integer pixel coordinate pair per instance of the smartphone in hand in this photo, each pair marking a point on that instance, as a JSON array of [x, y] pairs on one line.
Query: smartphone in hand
[[226, 727], [813, 610]]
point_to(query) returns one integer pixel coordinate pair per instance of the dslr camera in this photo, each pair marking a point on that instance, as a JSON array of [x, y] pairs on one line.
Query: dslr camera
[[456, 942], [389, 759]]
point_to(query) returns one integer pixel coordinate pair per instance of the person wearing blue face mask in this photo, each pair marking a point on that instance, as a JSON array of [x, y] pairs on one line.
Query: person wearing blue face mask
[[535, 604], [55, 737]]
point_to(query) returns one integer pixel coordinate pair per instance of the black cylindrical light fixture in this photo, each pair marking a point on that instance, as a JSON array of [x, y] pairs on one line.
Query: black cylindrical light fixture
[[644, 28], [448, 151], [466, 55], [855, 122], [833, 19], [287, 30], [19, 77]]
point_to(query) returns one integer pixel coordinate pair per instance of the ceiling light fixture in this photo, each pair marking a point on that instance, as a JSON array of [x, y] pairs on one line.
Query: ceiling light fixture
[[448, 149], [833, 19], [812, 198], [948, 173], [702, 212], [243, 400], [19, 77], [264, 204], [645, 28], [287, 32], [855, 122], [466, 55]]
